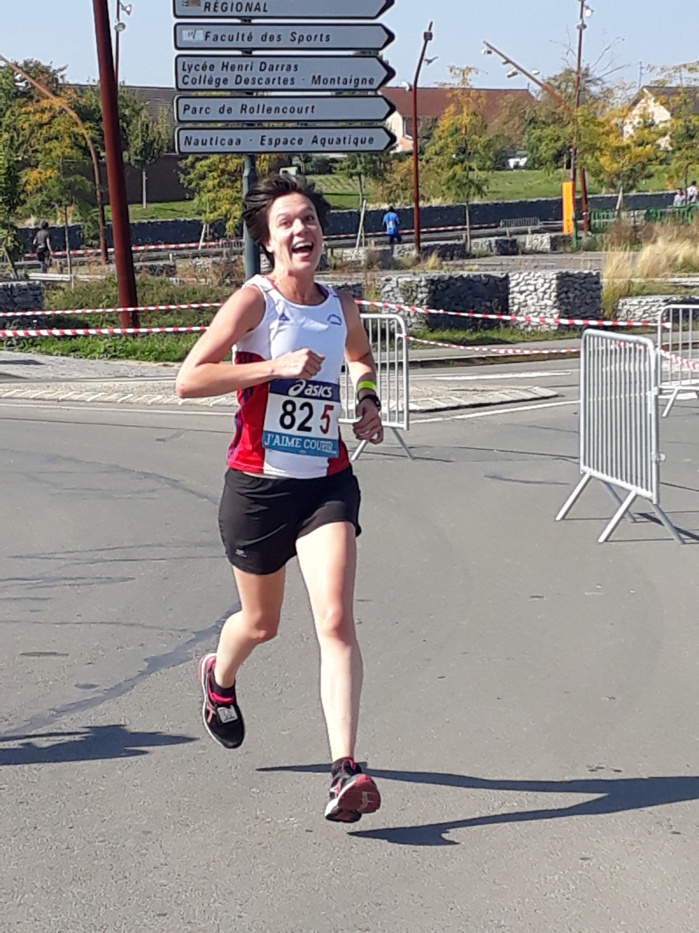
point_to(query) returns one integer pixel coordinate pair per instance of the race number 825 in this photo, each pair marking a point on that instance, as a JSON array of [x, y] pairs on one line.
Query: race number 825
[[298, 416]]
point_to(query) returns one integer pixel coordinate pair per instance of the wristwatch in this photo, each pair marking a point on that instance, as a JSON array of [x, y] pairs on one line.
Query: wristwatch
[[374, 398]]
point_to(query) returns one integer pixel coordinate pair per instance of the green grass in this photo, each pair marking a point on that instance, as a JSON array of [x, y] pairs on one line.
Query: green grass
[[156, 348], [163, 210], [502, 334]]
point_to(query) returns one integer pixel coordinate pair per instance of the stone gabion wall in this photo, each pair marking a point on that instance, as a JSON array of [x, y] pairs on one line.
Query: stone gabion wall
[[562, 294], [648, 307], [21, 296], [485, 294]]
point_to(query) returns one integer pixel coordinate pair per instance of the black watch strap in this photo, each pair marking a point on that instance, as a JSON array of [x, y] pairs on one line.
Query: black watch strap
[[374, 398]]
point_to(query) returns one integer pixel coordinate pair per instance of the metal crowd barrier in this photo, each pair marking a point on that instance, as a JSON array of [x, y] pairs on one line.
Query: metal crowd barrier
[[619, 438], [678, 349], [387, 338]]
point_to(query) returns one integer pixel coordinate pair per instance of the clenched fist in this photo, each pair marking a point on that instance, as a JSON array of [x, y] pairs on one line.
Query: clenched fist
[[301, 364]]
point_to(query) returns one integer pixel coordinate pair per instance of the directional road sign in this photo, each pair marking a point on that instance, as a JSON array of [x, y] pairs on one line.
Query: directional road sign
[[280, 73], [336, 139], [369, 37], [281, 9], [292, 109]]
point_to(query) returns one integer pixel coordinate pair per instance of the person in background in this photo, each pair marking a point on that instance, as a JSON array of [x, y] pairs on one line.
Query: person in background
[[42, 244], [391, 224], [680, 199], [692, 193]]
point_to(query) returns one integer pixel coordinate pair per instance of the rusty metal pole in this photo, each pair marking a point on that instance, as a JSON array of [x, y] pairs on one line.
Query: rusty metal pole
[[426, 39], [121, 230]]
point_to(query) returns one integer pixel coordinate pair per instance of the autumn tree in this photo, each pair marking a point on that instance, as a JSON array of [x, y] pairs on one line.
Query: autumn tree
[[683, 138], [618, 161], [460, 153], [216, 181]]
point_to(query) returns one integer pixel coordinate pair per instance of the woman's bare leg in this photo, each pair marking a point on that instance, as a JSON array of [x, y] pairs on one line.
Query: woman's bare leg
[[328, 559], [258, 621]]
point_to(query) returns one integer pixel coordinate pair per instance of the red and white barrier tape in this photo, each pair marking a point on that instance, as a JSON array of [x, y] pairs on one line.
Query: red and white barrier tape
[[383, 305], [512, 318], [148, 247], [99, 331], [500, 351], [692, 365], [184, 307]]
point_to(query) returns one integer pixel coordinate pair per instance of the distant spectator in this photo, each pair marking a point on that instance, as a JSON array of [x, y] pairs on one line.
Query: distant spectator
[[391, 223], [692, 193], [42, 243], [680, 199]]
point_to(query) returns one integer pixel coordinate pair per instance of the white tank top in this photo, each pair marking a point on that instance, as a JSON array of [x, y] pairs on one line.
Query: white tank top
[[290, 427]]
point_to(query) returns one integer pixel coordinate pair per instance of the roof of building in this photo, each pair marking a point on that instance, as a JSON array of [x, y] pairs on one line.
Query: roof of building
[[668, 96], [433, 101]]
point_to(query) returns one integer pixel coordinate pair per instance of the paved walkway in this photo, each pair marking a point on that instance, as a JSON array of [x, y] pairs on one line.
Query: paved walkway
[[31, 376]]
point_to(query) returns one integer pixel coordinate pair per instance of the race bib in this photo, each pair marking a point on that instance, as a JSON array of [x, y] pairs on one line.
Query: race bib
[[302, 417]]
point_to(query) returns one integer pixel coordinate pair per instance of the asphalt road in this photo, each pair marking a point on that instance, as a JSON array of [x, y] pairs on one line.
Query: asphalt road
[[530, 702]]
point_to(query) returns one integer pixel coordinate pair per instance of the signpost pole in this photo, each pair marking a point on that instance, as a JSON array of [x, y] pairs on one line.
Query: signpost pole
[[252, 251]]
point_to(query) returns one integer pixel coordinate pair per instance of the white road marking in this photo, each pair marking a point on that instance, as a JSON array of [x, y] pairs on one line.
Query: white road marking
[[499, 411], [495, 376]]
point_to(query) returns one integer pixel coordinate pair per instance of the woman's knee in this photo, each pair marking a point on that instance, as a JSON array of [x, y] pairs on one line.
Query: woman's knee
[[337, 623], [261, 627]]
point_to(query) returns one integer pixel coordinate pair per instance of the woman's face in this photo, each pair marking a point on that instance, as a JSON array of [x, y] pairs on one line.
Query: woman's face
[[295, 235]]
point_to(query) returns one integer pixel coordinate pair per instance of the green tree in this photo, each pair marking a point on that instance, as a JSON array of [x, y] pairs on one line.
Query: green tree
[[11, 195], [459, 157], [216, 182], [616, 161], [684, 137], [147, 141]]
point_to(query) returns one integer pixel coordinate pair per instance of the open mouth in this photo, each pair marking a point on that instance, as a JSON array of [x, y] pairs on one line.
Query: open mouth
[[303, 249]]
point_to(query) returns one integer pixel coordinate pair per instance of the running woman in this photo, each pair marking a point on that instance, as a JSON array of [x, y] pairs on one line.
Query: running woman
[[289, 488]]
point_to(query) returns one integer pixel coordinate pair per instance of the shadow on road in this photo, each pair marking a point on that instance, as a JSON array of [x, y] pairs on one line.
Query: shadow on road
[[615, 795], [91, 744]]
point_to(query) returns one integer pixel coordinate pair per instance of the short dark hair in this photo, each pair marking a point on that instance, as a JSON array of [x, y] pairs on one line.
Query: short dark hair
[[262, 196], [44, 224]]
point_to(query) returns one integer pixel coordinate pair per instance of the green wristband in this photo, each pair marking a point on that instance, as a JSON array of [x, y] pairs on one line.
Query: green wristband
[[366, 385]]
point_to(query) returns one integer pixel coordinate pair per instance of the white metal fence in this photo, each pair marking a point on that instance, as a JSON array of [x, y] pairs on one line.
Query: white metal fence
[[387, 338], [619, 438], [678, 349]]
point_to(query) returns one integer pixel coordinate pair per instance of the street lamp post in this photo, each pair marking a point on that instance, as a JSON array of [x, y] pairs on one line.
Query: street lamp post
[[584, 12], [119, 27], [426, 39], [490, 49], [95, 163]]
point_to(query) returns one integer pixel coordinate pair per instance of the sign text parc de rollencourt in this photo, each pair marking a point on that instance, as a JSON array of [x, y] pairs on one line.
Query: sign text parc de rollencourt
[[269, 89]]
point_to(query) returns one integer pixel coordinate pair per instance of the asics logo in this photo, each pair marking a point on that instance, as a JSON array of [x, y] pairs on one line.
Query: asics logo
[[334, 319], [365, 801], [310, 389]]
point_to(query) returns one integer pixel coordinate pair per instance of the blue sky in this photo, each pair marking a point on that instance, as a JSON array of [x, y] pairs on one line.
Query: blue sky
[[533, 32]]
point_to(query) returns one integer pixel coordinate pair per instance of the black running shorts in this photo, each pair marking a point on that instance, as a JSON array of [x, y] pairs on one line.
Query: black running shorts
[[261, 518]]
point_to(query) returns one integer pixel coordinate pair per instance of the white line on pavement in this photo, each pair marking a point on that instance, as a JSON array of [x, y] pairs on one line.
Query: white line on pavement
[[494, 376], [499, 411]]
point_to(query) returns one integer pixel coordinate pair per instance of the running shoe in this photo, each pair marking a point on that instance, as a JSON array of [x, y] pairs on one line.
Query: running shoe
[[352, 794], [222, 717]]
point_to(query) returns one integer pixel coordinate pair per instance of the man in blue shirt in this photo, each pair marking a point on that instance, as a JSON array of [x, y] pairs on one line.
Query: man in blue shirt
[[391, 223]]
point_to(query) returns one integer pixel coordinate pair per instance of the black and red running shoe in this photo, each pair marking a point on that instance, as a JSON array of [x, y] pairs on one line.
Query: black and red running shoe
[[352, 794], [222, 717]]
